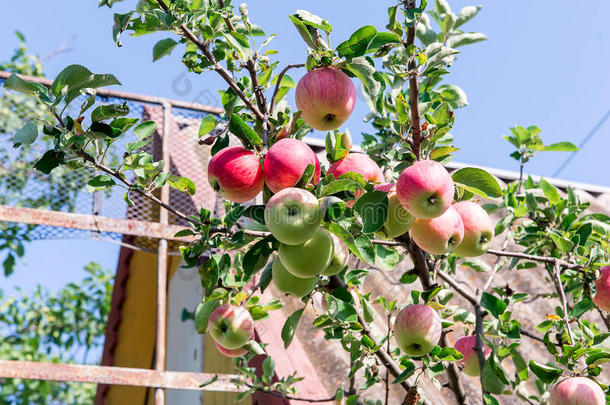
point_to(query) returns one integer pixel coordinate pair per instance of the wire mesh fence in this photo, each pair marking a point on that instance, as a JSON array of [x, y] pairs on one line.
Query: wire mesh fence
[[64, 189]]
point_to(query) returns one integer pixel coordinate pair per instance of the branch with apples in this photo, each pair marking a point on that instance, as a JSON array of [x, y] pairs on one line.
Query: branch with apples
[[301, 225]]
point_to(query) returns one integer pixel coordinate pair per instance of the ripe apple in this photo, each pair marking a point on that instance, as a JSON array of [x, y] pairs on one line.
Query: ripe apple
[[286, 162], [425, 189], [577, 391], [478, 229], [439, 235], [340, 257], [359, 163], [467, 345], [235, 173], [288, 284], [417, 329], [399, 220], [231, 326], [231, 352], [293, 216], [602, 287], [327, 97], [310, 258]]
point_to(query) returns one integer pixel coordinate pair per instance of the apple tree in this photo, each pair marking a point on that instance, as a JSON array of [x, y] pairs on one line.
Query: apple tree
[[319, 228]]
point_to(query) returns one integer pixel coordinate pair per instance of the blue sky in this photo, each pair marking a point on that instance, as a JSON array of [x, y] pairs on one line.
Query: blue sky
[[546, 63]]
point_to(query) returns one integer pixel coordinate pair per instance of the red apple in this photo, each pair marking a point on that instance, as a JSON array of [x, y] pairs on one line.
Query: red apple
[[231, 352], [467, 345], [327, 97], [340, 257], [286, 162], [359, 163], [235, 173], [478, 229], [439, 235], [293, 215], [309, 259], [602, 287], [417, 329], [399, 220], [577, 391], [286, 283], [231, 326], [425, 189]]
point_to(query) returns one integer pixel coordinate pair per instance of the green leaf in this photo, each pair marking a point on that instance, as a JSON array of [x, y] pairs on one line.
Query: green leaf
[[548, 374], [561, 147], [313, 20], [477, 265], [244, 132], [382, 39], [8, 264], [101, 182], [408, 372], [49, 161], [26, 135], [145, 129], [466, 14], [16, 83], [182, 184], [442, 151], [550, 192], [208, 123], [202, 314], [373, 209], [290, 327], [104, 112], [453, 94], [304, 31], [341, 185], [358, 42], [493, 304], [520, 366], [364, 69], [239, 43], [477, 181], [72, 76], [163, 48], [597, 359], [268, 368], [465, 38]]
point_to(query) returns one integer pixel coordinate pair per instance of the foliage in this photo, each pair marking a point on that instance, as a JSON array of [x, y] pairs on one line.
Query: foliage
[[412, 111], [54, 327]]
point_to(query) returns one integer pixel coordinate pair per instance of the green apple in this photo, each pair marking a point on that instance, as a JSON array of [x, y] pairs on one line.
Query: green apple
[[289, 284], [399, 221], [310, 258], [340, 257], [293, 216], [231, 326]]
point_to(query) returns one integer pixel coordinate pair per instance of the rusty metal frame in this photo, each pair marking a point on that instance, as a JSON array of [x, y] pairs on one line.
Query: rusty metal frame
[[160, 379]]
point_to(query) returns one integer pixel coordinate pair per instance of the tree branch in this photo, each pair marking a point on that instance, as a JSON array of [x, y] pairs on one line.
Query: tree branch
[[187, 33], [543, 259], [414, 91]]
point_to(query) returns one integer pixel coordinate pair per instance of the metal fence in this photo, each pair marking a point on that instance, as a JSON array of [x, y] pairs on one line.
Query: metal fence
[[37, 206]]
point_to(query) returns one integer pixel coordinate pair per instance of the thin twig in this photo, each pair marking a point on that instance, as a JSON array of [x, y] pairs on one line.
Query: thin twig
[[564, 301], [543, 259], [279, 81]]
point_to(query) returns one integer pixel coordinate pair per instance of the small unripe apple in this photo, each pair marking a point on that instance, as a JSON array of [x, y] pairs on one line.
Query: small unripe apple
[[236, 174], [478, 229], [327, 97], [231, 326], [577, 391], [425, 189], [286, 162], [602, 290], [310, 258], [231, 352], [467, 345], [286, 283], [439, 235], [399, 221], [340, 257], [359, 163], [417, 329], [293, 216]]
